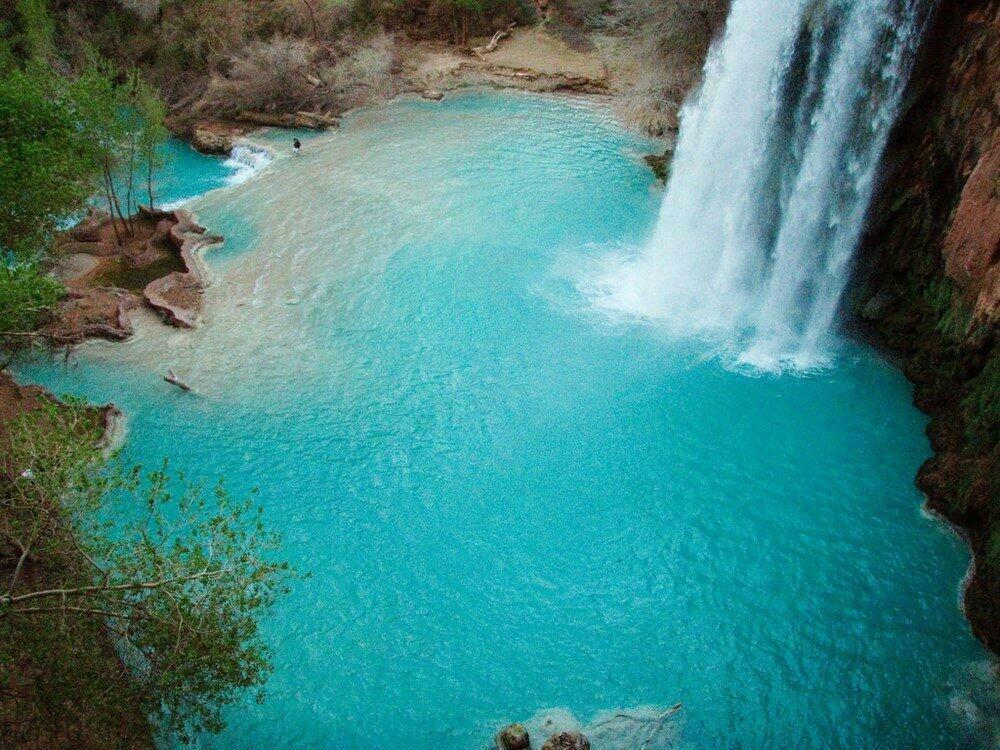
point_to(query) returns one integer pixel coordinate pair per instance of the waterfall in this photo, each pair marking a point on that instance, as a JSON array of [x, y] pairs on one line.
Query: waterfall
[[772, 177]]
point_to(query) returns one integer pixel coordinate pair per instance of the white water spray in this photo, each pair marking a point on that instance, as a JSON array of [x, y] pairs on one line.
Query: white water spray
[[773, 175], [247, 160]]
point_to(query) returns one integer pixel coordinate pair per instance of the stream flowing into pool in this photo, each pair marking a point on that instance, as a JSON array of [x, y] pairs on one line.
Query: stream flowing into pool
[[511, 503]]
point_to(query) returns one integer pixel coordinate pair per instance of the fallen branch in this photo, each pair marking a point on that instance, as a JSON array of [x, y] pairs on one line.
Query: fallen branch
[[174, 380], [494, 42]]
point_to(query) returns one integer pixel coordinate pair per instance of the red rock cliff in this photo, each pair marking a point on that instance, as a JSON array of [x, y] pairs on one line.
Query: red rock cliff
[[929, 281]]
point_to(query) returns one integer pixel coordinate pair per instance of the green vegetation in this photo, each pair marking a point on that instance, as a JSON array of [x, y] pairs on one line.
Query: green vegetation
[[26, 292], [126, 599], [177, 576], [63, 139], [981, 407], [47, 161]]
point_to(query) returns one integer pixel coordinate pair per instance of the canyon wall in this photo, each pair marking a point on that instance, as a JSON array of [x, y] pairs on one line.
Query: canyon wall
[[928, 282]]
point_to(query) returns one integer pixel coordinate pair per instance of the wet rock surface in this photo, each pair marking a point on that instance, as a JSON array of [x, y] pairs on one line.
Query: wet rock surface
[[513, 737], [109, 269], [567, 741]]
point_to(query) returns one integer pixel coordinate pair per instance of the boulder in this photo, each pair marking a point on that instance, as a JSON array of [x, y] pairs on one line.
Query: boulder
[[567, 741], [214, 137], [513, 737], [435, 95]]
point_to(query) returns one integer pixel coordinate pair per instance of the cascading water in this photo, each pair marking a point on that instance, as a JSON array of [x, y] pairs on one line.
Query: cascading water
[[246, 160], [773, 174]]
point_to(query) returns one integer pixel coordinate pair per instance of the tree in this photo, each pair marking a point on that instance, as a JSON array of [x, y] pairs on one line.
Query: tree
[[124, 117], [99, 111], [152, 133], [47, 161], [177, 576], [26, 292]]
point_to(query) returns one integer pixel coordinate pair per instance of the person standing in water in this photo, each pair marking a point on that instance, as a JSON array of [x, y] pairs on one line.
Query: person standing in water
[[296, 146]]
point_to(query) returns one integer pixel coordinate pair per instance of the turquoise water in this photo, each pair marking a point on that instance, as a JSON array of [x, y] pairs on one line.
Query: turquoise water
[[509, 502]]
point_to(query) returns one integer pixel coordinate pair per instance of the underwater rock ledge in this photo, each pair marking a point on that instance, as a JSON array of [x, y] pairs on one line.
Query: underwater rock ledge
[[159, 263]]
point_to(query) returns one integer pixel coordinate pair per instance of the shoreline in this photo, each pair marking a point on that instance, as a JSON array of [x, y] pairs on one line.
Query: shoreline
[[529, 60], [160, 265]]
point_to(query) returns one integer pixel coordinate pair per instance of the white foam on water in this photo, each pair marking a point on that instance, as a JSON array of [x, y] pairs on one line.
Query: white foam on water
[[247, 160]]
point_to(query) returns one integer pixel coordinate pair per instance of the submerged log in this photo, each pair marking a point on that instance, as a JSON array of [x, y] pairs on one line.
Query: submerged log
[[174, 380]]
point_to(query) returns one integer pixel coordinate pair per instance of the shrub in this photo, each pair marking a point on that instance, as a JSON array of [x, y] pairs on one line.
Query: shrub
[[663, 44], [26, 293], [266, 76], [287, 75], [177, 579], [453, 20]]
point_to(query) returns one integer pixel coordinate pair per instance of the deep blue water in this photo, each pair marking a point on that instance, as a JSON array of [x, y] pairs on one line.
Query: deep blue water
[[510, 503]]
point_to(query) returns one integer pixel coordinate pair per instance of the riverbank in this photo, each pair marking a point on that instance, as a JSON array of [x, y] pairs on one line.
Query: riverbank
[[526, 58]]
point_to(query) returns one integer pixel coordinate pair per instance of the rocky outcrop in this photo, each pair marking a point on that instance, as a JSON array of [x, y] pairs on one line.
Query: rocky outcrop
[[513, 737], [108, 272], [101, 313], [927, 283], [178, 296], [310, 120], [214, 137], [567, 741]]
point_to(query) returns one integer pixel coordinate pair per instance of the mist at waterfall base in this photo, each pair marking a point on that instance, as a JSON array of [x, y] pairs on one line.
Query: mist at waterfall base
[[513, 508], [773, 173]]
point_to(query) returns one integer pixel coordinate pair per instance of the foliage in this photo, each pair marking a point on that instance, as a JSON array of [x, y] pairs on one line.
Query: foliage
[[663, 44], [152, 114], [981, 405], [178, 576], [124, 117], [26, 292], [47, 161], [28, 32]]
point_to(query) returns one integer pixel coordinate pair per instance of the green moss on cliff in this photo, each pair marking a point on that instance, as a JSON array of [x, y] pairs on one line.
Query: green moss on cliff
[[920, 313]]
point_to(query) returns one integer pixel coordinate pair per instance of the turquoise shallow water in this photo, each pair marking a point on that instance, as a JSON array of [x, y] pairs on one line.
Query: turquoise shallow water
[[509, 503]]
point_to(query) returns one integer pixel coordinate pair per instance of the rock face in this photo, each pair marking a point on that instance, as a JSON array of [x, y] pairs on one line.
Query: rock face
[[972, 245], [513, 737], [211, 137], [929, 278], [567, 741]]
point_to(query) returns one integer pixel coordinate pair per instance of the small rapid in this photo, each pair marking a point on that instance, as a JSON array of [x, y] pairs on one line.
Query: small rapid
[[774, 170], [246, 160]]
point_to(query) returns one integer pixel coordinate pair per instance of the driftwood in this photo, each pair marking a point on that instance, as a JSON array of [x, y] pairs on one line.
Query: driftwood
[[495, 41], [174, 380]]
